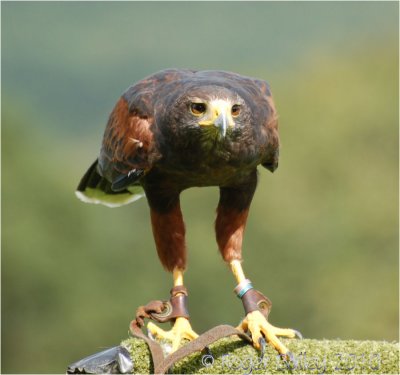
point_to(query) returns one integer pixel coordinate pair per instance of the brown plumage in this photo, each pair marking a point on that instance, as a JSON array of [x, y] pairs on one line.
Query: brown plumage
[[179, 129], [154, 141]]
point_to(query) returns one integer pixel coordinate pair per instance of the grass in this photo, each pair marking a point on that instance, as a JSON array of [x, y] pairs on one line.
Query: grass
[[312, 356]]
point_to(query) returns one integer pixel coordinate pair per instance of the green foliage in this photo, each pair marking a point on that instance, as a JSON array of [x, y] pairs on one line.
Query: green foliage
[[322, 237], [233, 356]]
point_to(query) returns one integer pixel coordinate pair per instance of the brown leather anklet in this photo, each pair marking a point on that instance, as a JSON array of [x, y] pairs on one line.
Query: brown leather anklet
[[179, 289], [254, 300], [176, 307], [165, 311]]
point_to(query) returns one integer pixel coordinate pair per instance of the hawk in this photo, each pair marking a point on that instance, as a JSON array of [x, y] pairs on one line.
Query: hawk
[[178, 129]]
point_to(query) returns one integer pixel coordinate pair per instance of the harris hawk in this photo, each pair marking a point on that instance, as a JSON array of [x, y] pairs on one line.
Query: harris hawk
[[178, 129]]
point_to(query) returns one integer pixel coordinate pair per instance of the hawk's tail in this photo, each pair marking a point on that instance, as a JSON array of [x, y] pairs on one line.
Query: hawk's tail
[[94, 188]]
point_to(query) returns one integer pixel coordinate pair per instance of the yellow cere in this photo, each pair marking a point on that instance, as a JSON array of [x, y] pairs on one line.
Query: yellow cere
[[215, 109]]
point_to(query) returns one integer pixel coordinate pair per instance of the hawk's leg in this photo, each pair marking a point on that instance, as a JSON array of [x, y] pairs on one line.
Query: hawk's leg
[[169, 236], [181, 329], [255, 321], [231, 220]]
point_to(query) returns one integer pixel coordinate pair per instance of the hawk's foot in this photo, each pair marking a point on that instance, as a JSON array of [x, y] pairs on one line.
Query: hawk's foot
[[181, 330], [259, 327]]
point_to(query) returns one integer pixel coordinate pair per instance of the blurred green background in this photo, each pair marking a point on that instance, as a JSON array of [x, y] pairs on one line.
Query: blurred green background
[[322, 237]]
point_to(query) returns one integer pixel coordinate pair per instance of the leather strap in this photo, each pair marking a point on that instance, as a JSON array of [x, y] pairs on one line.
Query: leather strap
[[254, 300], [161, 365], [147, 311], [164, 311], [199, 344], [160, 311], [156, 351]]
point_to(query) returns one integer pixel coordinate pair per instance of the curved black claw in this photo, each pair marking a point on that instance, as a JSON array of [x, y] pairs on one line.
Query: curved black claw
[[263, 344], [290, 360], [298, 334], [208, 351]]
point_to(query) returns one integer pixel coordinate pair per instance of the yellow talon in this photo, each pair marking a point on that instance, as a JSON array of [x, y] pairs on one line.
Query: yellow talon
[[181, 330], [257, 324]]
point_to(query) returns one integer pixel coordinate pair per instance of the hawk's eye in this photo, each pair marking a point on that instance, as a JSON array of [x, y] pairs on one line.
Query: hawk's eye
[[235, 110], [198, 108]]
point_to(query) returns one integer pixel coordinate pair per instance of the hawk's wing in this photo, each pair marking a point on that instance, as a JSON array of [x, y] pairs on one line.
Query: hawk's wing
[[129, 146], [269, 127], [128, 150]]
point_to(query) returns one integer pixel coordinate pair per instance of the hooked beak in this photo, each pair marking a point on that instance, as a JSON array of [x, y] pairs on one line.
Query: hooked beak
[[221, 123], [219, 116]]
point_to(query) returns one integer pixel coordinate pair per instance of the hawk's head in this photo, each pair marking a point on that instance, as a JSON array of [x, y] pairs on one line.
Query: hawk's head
[[213, 110], [220, 112]]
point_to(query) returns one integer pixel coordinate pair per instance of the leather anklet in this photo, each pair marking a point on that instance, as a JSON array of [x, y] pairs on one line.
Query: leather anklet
[[252, 299], [165, 311]]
